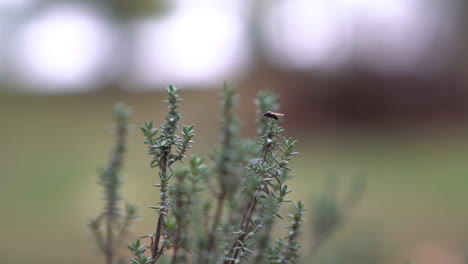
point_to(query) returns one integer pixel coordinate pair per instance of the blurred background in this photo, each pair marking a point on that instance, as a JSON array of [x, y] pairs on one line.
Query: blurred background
[[369, 87]]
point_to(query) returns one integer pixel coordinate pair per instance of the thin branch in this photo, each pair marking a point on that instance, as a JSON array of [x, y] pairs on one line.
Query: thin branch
[[247, 218]]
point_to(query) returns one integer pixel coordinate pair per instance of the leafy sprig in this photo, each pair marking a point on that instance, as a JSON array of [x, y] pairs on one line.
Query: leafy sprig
[[110, 227], [164, 156], [265, 186]]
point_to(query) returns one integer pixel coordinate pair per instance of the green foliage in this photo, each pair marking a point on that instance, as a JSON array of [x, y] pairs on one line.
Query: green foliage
[[246, 177], [166, 149], [111, 219], [263, 182], [218, 210], [291, 251], [329, 212], [139, 250]]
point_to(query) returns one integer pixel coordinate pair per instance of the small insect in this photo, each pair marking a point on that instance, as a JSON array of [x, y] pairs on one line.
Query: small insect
[[273, 115]]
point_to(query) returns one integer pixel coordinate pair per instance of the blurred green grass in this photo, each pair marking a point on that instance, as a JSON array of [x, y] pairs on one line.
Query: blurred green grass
[[53, 145]]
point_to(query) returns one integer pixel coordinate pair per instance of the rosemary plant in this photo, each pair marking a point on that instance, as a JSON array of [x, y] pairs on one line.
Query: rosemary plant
[[265, 176], [110, 227], [245, 177], [166, 149]]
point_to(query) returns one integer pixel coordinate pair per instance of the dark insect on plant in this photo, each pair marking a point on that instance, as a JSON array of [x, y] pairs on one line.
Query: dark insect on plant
[[273, 115]]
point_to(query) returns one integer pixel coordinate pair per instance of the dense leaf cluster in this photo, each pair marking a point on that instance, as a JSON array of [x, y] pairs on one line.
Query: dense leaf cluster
[[246, 178], [220, 209]]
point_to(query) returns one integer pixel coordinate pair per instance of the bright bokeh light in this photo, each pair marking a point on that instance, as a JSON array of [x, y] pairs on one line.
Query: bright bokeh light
[[63, 49], [71, 47], [303, 33], [196, 44], [393, 35], [384, 35]]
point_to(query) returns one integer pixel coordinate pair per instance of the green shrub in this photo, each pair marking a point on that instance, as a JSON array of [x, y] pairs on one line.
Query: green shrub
[[220, 209]]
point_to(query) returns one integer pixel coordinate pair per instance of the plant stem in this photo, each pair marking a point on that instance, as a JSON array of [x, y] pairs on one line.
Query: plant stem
[[110, 243], [156, 251], [110, 180], [229, 129], [245, 223], [177, 244], [217, 218], [219, 206]]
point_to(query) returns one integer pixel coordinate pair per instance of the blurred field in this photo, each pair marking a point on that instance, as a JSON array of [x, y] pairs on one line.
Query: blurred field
[[51, 147]]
